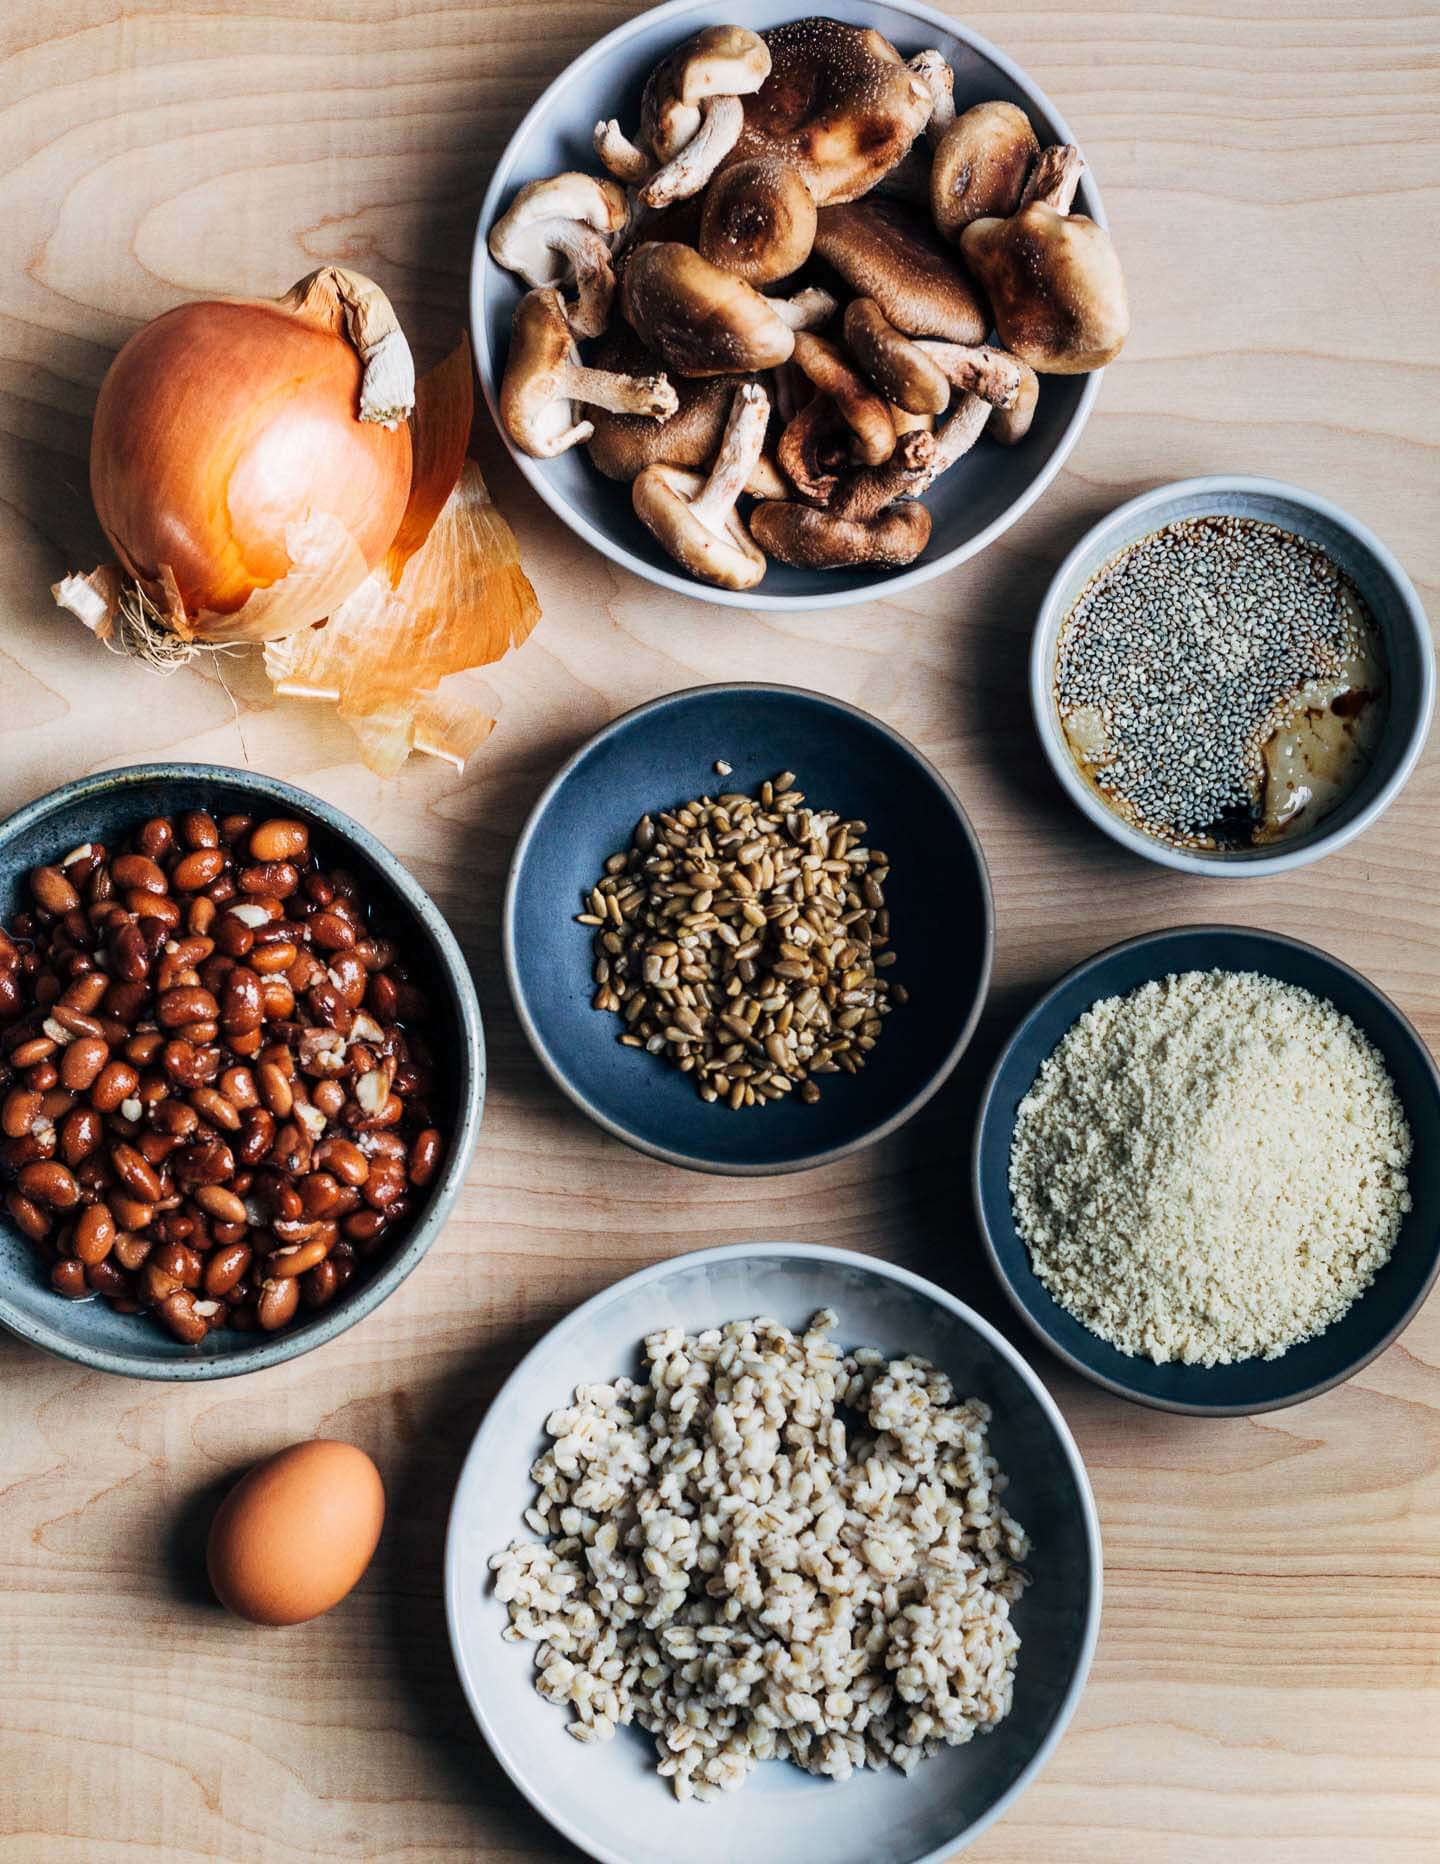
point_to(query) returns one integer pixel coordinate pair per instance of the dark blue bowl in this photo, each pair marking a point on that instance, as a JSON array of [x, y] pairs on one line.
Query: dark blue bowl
[[1381, 1313], [107, 806], [664, 753]]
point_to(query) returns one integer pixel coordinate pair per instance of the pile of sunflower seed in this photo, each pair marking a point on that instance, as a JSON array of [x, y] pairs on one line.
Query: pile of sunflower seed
[[744, 938]]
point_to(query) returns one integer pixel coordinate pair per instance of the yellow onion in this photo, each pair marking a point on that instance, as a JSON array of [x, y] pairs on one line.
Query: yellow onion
[[262, 467], [251, 458]]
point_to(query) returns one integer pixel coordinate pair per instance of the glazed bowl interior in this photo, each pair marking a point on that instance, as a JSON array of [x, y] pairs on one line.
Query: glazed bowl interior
[[1388, 593], [1252, 1385], [973, 502], [107, 807], [608, 1799], [664, 754]]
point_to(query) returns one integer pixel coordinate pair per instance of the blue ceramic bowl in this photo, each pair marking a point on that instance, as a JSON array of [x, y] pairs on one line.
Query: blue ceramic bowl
[[1381, 1313], [607, 1798], [105, 807], [664, 753]]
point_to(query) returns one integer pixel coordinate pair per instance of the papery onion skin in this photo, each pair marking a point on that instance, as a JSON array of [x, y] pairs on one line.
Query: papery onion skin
[[219, 427]]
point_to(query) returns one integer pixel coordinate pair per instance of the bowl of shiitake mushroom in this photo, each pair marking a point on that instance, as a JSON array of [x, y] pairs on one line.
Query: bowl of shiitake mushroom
[[791, 312]]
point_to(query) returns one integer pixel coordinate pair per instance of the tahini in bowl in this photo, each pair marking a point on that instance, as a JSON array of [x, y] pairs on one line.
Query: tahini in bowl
[[663, 754], [972, 504], [1377, 1317], [608, 1799], [1388, 594], [105, 807]]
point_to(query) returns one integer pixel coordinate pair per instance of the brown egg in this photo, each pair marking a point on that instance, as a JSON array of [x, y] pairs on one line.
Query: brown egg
[[296, 1532]]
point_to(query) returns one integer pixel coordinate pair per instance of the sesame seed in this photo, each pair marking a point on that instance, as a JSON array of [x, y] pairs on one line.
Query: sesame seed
[[1186, 654]]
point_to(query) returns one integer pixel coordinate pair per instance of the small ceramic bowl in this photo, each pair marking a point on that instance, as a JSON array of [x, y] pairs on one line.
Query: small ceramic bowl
[[663, 754], [608, 1799], [1388, 593], [105, 807], [971, 505], [1377, 1318]]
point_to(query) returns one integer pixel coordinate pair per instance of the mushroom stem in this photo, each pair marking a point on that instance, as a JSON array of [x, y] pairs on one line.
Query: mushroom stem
[[624, 161], [980, 370], [740, 447], [807, 310], [620, 394], [935, 74], [1054, 178], [955, 439], [903, 476], [721, 120]]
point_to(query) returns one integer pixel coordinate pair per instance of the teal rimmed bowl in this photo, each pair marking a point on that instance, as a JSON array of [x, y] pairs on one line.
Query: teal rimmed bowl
[[103, 808], [1377, 1317]]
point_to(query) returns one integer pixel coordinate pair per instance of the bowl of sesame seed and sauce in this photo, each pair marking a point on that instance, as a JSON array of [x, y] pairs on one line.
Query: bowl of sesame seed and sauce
[[1207, 1170], [748, 929], [1232, 675]]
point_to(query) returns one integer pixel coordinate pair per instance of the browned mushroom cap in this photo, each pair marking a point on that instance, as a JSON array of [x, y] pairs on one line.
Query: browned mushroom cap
[[561, 227], [810, 453], [703, 321], [980, 166], [544, 379], [1053, 277], [759, 221], [820, 540], [623, 445], [884, 252], [858, 406], [840, 105], [899, 368], [694, 518]]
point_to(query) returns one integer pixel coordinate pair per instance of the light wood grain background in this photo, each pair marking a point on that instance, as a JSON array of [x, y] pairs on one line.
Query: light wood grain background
[[1268, 1681]]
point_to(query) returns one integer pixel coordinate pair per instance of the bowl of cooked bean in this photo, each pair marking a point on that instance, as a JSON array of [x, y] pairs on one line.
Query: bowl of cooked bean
[[241, 1071]]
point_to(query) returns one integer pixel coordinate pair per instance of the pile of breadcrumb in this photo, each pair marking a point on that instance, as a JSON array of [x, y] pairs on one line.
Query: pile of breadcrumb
[[1211, 1168], [767, 1550]]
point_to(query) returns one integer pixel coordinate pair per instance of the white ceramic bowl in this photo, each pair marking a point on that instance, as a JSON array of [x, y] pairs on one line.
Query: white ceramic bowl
[[1377, 574], [608, 1799], [972, 504]]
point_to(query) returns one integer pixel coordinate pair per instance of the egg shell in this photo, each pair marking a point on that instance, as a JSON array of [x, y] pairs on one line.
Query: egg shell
[[296, 1532]]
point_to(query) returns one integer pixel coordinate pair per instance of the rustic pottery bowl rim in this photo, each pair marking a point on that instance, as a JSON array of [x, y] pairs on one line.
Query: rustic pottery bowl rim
[[1082, 1355], [565, 1344], [1406, 728], [924, 771], [463, 1007], [614, 48]]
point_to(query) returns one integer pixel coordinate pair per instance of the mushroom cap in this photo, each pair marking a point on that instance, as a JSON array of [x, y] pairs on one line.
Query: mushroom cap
[[758, 221], [720, 61], [902, 371], [839, 104], [536, 414], [814, 539], [980, 166], [700, 320], [1055, 287], [590, 200], [623, 445], [662, 497], [885, 252]]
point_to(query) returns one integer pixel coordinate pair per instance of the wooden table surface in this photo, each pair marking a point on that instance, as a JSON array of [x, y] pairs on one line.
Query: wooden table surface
[[1268, 1678]]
